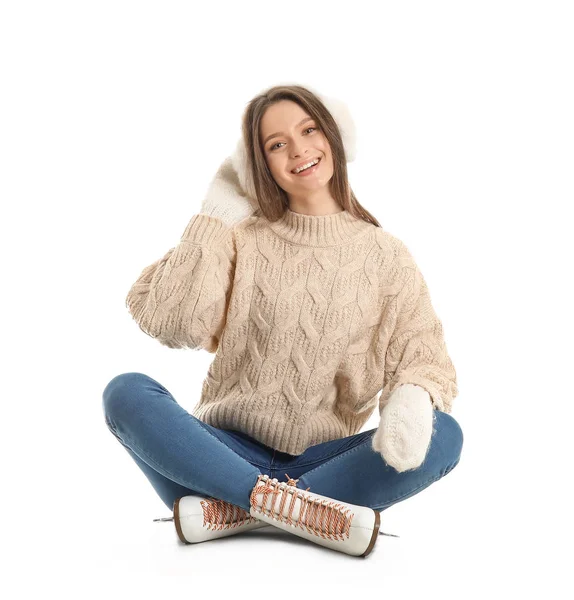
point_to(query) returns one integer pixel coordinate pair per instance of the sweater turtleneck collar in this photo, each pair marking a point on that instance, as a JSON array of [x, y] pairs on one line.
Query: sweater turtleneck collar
[[319, 230]]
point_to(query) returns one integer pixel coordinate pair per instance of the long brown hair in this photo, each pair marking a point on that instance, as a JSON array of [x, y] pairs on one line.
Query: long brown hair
[[272, 199]]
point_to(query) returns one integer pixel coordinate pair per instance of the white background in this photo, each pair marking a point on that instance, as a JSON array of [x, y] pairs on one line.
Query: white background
[[114, 117]]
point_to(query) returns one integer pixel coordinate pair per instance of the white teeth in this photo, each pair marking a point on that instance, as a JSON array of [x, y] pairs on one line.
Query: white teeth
[[313, 162]]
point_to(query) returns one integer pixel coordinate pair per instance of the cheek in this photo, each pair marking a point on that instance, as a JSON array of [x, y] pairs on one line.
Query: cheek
[[276, 167], [273, 169], [328, 155]]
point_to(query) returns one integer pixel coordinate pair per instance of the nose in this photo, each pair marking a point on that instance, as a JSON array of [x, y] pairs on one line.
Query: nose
[[297, 151]]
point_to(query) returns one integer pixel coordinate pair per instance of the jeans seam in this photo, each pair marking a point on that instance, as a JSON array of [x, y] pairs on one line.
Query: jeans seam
[[339, 456], [160, 469], [405, 496], [314, 462], [273, 466], [199, 424], [393, 500], [333, 454], [418, 489]]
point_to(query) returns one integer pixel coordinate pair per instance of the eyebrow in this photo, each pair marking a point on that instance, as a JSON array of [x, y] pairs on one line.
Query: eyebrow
[[281, 133]]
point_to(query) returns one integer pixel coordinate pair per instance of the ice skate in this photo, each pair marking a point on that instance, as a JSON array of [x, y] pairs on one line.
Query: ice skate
[[341, 526], [200, 518]]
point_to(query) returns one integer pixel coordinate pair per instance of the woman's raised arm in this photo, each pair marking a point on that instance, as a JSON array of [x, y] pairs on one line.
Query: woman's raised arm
[[182, 298]]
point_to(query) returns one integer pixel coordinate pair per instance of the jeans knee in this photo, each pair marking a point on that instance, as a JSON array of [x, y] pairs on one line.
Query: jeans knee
[[119, 393], [456, 438], [451, 435]]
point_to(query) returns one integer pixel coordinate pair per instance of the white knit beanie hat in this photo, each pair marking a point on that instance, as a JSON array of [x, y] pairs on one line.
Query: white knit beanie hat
[[340, 113]]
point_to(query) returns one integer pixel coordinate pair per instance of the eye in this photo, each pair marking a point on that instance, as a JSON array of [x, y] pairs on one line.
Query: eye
[[277, 144]]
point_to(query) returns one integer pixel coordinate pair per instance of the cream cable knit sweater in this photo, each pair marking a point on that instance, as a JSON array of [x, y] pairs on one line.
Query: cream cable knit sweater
[[309, 317]]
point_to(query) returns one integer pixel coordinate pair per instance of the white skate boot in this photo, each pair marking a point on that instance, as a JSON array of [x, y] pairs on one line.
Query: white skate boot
[[200, 519], [349, 528]]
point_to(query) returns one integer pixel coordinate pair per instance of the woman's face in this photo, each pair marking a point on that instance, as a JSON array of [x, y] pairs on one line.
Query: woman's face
[[298, 141]]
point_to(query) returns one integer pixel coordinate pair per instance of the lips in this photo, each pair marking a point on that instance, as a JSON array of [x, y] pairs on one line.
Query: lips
[[304, 163]]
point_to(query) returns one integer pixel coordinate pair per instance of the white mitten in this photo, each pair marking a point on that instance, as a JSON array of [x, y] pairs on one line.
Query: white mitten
[[225, 199], [405, 429]]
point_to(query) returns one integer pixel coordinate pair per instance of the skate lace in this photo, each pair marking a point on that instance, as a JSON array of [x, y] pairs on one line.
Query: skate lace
[[324, 518], [218, 515]]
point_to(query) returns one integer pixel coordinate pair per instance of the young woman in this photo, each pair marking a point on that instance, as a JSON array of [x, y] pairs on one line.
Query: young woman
[[316, 316]]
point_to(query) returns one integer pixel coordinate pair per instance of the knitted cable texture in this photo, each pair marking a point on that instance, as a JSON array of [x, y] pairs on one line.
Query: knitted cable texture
[[309, 317]]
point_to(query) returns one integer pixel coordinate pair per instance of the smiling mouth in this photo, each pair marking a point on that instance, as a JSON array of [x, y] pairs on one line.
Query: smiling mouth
[[318, 161]]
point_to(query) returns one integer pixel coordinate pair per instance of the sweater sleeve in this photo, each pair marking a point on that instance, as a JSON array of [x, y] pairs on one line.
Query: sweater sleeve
[[182, 298], [417, 352]]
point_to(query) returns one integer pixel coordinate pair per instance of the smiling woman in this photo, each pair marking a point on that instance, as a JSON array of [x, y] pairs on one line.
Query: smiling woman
[[310, 315], [286, 128], [301, 143]]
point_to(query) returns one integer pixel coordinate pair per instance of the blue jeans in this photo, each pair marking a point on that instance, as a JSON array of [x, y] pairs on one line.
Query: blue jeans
[[181, 455]]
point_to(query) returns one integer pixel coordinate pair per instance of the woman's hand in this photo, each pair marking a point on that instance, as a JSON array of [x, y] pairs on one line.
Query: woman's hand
[[225, 199], [405, 430]]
